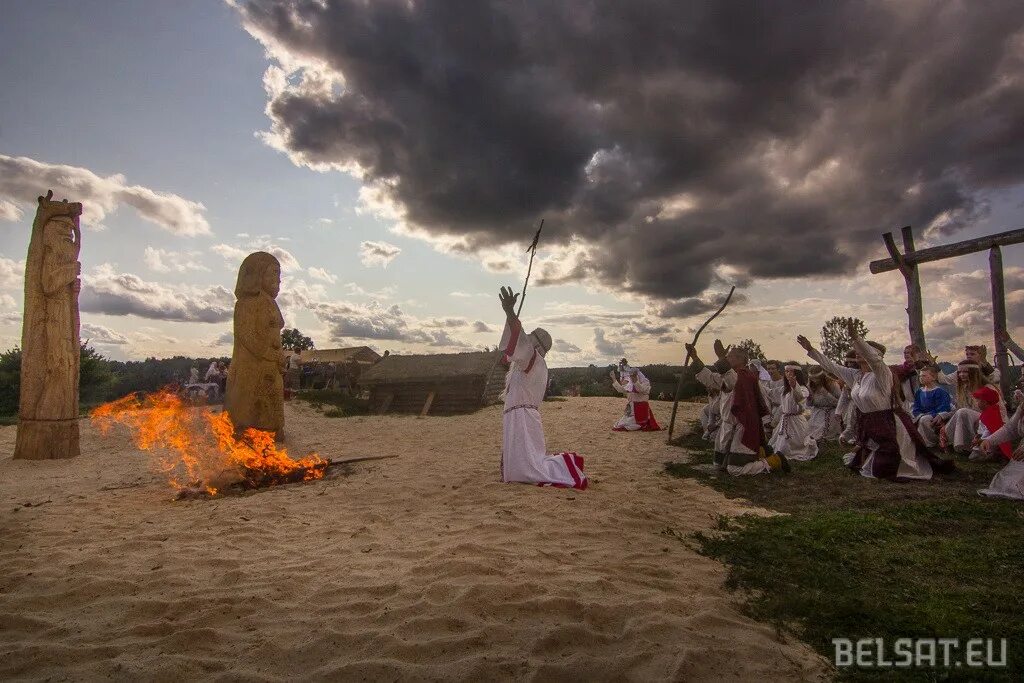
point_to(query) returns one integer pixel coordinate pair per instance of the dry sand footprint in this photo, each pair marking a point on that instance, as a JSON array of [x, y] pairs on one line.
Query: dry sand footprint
[[422, 567]]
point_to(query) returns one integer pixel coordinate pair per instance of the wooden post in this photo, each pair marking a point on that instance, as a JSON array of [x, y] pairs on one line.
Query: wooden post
[[915, 309], [1001, 361], [426, 404], [915, 306]]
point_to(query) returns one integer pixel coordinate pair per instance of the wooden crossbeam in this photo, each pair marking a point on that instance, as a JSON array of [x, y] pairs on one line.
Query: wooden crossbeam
[[947, 250]]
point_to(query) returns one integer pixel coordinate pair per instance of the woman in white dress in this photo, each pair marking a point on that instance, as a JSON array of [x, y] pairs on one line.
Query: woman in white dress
[[888, 445], [791, 437], [1009, 481], [824, 423]]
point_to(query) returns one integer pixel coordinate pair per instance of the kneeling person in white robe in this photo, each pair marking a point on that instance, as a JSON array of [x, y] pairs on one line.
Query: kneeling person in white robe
[[637, 390], [791, 437], [524, 456]]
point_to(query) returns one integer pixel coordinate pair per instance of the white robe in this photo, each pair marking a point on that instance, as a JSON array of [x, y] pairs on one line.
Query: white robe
[[791, 437], [730, 435], [524, 455], [1009, 481], [635, 392], [711, 416], [823, 422], [871, 392]]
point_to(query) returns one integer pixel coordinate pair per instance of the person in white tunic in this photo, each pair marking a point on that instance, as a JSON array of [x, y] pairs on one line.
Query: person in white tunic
[[791, 437], [888, 445], [824, 423], [638, 415], [1009, 481], [711, 415], [845, 409], [741, 447], [770, 376], [524, 455]]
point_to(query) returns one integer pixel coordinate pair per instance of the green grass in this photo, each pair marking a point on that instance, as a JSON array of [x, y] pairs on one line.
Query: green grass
[[334, 403], [860, 558]]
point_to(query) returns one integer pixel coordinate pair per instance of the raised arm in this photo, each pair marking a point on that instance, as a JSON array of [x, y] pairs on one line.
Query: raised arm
[[883, 375], [1013, 346], [848, 375]]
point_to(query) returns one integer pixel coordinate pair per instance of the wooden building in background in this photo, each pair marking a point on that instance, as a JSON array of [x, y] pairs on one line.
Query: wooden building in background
[[440, 384]]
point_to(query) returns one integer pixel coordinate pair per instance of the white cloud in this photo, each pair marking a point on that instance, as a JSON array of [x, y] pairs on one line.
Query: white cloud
[[98, 334], [111, 293], [347, 321], [22, 179], [7, 303], [234, 255], [481, 326], [12, 273], [10, 212], [378, 253], [321, 274], [166, 261]]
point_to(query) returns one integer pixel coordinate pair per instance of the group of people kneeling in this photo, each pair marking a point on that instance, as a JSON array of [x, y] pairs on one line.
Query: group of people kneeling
[[897, 419]]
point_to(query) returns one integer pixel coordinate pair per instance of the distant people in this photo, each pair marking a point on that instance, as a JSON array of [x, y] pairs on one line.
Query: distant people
[[932, 406], [637, 389], [294, 371], [222, 377], [524, 455], [888, 444]]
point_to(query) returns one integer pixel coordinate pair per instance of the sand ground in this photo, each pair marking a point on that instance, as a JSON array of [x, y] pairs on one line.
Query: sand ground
[[421, 567]]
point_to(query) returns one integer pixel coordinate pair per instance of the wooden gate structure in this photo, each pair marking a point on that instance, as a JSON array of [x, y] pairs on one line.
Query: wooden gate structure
[[908, 261]]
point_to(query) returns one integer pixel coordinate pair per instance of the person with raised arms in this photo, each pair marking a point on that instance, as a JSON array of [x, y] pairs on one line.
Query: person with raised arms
[[524, 455], [740, 447], [888, 444]]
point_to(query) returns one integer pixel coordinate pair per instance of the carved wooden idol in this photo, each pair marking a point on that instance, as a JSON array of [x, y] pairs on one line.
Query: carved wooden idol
[[255, 392], [48, 411]]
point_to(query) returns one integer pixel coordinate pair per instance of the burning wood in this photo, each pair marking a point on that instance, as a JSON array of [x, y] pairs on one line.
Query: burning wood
[[199, 449]]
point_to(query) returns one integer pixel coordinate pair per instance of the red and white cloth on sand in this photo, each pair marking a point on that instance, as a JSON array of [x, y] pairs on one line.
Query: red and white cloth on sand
[[524, 455]]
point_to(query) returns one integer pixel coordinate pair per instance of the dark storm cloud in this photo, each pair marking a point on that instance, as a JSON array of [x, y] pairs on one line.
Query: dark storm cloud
[[669, 137], [685, 308]]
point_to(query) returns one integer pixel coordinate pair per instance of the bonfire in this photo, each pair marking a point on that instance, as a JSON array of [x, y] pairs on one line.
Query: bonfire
[[199, 450]]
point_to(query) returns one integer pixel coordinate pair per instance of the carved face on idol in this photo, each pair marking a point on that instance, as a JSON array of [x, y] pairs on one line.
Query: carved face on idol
[[272, 280], [59, 236]]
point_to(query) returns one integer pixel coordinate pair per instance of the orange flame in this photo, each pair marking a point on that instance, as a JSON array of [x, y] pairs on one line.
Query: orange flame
[[198, 448]]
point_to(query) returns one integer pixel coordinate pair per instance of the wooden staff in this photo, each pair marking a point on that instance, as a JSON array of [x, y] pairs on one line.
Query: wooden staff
[[686, 363], [533, 252]]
